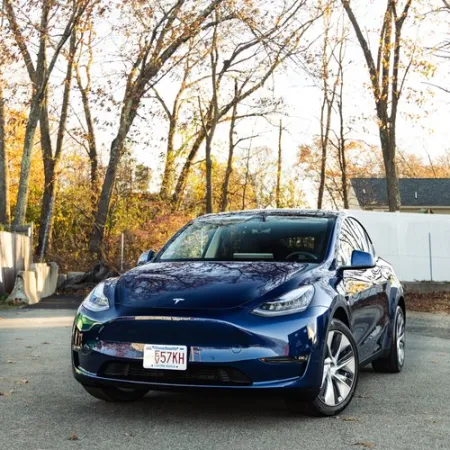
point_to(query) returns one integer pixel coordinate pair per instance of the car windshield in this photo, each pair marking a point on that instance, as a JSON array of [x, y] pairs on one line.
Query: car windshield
[[260, 238]]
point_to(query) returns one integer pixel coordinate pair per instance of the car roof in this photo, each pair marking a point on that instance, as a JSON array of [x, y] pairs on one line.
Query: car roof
[[278, 212]]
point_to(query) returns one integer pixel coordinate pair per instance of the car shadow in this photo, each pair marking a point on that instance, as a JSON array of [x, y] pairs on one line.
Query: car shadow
[[217, 407]]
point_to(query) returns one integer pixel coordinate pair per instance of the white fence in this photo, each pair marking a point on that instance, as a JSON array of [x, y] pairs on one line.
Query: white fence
[[417, 245]]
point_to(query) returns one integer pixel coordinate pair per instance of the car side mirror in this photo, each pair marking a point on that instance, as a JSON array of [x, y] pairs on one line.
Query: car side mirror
[[146, 257], [360, 261]]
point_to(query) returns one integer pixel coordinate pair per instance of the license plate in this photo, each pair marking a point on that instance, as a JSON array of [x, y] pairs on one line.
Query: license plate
[[166, 357]]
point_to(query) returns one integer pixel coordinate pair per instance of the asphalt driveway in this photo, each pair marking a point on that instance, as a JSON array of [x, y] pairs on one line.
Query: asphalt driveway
[[42, 407]]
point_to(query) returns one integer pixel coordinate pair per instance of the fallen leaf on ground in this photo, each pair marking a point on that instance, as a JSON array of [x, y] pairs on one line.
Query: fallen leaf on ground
[[24, 381], [362, 396], [73, 437], [369, 445], [351, 419], [28, 346], [10, 361], [45, 343]]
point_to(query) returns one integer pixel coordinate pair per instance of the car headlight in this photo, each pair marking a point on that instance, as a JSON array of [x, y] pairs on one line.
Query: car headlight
[[293, 302], [97, 300]]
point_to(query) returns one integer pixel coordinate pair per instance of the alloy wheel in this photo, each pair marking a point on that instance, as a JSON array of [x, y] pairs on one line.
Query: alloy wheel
[[339, 369], [400, 333]]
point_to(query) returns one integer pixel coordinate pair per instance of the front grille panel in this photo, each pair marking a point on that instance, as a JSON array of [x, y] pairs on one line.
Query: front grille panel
[[168, 332], [194, 375]]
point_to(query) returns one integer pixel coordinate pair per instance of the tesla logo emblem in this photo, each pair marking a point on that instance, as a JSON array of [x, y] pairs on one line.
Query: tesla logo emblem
[[178, 300]]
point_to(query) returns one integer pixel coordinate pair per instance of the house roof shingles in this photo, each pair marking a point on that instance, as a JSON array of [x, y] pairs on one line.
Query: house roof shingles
[[426, 192]]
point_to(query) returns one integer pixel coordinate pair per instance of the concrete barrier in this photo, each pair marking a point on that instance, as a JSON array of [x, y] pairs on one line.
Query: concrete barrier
[[15, 256], [35, 284], [24, 290], [46, 278]]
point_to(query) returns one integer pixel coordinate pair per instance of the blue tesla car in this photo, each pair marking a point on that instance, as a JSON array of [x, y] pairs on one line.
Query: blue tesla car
[[285, 301]]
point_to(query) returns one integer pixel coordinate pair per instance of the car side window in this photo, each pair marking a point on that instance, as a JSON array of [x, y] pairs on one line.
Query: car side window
[[364, 241], [346, 244], [193, 246]]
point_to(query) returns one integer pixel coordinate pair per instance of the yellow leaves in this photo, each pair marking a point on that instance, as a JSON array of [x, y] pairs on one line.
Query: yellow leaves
[[365, 444]]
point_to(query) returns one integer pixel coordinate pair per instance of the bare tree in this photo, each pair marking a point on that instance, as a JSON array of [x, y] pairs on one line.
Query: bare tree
[[172, 113], [85, 89], [5, 216], [171, 30], [231, 147], [52, 158], [39, 74], [326, 111], [341, 145], [386, 84], [5, 208], [279, 165], [252, 64], [213, 120]]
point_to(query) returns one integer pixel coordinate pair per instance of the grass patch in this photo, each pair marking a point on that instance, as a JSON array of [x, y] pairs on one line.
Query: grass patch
[[8, 305]]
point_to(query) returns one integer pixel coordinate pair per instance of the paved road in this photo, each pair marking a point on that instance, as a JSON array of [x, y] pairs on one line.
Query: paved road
[[43, 406]]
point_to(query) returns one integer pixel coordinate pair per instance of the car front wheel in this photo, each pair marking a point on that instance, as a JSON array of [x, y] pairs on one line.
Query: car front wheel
[[113, 394], [340, 375]]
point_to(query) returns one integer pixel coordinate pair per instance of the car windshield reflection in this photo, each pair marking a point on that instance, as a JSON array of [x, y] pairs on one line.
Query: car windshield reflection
[[263, 238]]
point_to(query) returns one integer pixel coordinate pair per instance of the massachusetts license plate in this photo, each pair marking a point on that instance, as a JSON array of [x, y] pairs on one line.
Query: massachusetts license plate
[[166, 357]]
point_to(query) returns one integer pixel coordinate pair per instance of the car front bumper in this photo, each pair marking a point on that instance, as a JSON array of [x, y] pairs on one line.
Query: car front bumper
[[239, 351]]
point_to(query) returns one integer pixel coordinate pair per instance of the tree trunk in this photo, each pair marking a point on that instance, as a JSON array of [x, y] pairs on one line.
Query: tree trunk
[[214, 119], [209, 193], [169, 168], [341, 144], [247, 176], [30, 131], [392, 184], [344, 176], [5, 215], [92, 144], [49, 180], [98, 231], [384, 80], [47, 210], [51, 161], [279, 166], [231, 146], [177, 196]]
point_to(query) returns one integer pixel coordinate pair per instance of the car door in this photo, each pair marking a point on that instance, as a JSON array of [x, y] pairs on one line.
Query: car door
[[360, 288], [378, 310]]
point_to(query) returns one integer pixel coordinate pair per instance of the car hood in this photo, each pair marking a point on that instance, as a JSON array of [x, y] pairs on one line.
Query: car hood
[[202, 285]]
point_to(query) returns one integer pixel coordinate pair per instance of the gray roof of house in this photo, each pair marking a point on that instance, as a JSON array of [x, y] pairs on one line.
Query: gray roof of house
[[413, 191]]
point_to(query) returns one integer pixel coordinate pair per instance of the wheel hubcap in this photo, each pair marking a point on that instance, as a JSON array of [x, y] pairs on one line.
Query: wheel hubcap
[[400, 332], [339, 369]]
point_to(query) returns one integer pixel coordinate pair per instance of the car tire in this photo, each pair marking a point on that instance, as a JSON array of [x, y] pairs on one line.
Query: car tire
[[340, 375], [395, 360], [113, 394]]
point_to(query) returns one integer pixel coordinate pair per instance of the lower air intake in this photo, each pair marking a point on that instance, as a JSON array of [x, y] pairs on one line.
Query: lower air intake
[[194, 375]]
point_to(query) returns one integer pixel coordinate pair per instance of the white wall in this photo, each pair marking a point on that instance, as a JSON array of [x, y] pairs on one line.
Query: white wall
[[403, 240]]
